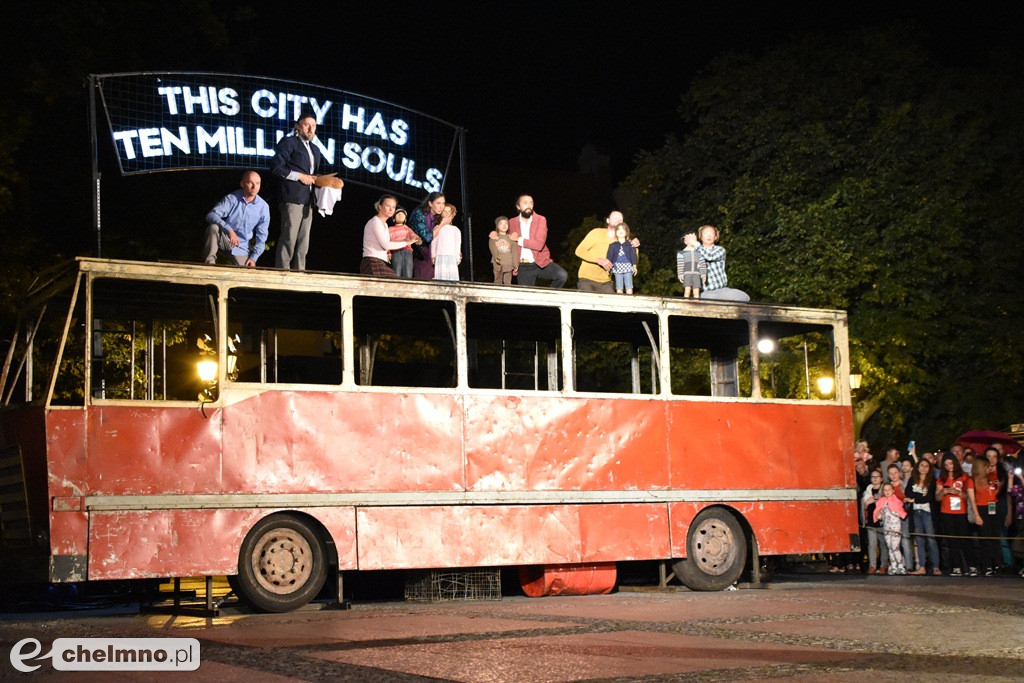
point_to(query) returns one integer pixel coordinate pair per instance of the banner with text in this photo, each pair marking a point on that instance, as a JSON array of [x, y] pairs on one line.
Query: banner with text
[[176, 121]]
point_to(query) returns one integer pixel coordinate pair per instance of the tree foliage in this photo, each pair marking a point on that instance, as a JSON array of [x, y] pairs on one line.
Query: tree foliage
[[48, 49], [858, 173]]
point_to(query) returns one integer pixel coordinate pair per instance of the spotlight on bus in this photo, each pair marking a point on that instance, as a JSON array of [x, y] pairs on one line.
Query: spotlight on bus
[[826, 385], [207, 370], [765, 345]]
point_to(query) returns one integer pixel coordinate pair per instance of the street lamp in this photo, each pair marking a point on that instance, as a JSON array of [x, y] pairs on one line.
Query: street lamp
[[766, 346], [207, 370], [855, 380]]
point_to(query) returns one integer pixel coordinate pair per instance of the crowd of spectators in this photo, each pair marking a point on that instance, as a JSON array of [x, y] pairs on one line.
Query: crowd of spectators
[[954, 512]]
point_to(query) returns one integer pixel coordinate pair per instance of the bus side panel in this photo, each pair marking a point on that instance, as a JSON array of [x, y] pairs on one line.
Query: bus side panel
[[69, 533], [543, 443], [159, 543], [149, 449], [782, 527], [411, 538], [25, 428], [65, 443], [310, 441], [624, 532], [760, 445], [69, 546]]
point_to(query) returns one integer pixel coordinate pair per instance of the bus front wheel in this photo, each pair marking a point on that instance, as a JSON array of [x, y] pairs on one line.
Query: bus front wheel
[[716, 551], [281, 564]]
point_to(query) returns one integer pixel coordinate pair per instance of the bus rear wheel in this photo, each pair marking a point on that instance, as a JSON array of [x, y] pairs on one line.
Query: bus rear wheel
[[716, 551], [281, 564]]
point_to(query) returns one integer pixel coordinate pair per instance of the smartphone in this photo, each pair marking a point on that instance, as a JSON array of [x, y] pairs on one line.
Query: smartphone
[[910, 445]]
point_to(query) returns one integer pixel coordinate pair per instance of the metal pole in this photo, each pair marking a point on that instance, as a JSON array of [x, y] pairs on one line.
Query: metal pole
[[95, 166], [468, 232], [807, 369]]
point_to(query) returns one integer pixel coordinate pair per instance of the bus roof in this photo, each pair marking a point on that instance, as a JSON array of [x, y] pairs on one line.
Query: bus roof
[[198, 273]]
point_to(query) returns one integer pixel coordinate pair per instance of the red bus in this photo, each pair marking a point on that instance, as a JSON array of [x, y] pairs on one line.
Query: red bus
[[350, 423]]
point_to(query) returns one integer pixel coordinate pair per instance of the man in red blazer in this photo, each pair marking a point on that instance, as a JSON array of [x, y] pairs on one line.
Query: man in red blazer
[[535, 259]]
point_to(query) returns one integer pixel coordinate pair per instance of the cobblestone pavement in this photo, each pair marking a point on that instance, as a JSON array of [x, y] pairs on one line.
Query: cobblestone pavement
[[841, 628]]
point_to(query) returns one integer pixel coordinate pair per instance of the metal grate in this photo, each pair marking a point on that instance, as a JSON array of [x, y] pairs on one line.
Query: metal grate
[[443, 585], [14, 523]]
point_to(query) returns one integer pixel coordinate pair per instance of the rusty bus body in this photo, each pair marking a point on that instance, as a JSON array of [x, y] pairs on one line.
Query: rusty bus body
[[356, 423]]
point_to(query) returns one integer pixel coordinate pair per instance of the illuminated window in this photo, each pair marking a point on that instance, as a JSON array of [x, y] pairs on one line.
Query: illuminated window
[[144, 336], [802, 355]]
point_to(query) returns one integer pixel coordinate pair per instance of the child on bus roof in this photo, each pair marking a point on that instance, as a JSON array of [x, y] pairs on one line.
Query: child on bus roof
[[446, 247], [623, 257], [504, 252], [691, 268]]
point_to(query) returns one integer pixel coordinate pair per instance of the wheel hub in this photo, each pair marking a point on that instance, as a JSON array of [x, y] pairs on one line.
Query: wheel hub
[[282, 561], [715, 547]]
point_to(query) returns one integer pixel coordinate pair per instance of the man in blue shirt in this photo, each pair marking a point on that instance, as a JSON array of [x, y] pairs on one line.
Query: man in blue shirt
[[238, 224]]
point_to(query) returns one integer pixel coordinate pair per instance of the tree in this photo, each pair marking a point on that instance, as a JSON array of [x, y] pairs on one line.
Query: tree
[[856, 172], [48, 49]]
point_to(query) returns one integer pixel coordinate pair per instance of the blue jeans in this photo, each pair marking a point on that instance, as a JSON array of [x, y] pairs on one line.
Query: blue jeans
[[923, 524], [906, 545], [876, 546], [623, 281]]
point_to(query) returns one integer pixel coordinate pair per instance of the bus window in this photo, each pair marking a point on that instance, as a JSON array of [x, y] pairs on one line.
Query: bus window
[[404, 342], [40, 332], [615, 352], [793, 356], [709, 356], [284, 336], [144, 336], [514, 347], [69, 388]]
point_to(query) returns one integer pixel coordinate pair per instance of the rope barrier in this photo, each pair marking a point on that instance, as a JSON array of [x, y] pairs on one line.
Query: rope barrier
[[880, 530]]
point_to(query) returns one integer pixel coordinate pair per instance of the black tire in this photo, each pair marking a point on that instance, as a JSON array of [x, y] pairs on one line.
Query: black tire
[[716, 551], [281, 564]]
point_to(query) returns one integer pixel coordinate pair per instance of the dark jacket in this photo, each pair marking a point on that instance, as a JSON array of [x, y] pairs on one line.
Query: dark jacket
[[291, 156]]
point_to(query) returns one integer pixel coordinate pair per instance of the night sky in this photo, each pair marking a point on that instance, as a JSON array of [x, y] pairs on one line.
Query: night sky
[[532, 83]]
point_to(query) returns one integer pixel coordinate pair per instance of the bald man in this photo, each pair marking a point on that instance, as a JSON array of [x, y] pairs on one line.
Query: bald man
[[237, 225]]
